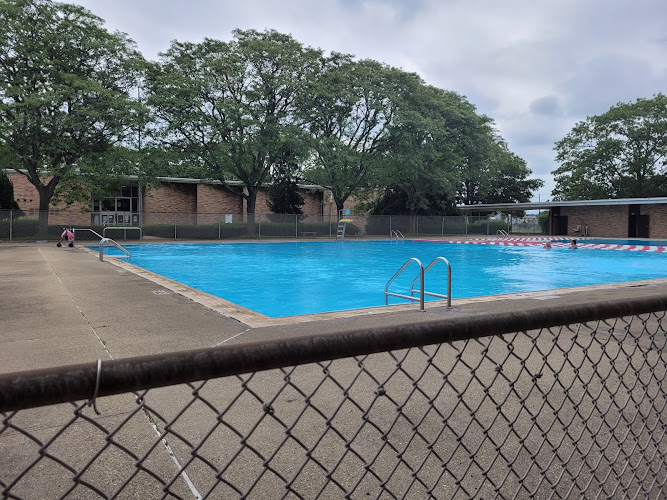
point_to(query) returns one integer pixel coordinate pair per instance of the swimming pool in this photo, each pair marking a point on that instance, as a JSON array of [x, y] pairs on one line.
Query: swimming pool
[[295, 278]]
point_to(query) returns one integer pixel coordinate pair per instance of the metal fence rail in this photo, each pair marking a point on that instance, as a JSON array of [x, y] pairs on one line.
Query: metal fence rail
[[567, 402]]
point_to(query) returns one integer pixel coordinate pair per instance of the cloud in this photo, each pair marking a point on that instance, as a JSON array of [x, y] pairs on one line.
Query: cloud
[[548, 106], [600, 83]]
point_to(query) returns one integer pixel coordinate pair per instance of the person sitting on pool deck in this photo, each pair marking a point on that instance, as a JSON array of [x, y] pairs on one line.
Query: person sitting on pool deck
[[66, 234], [573, 244], [547, 245]]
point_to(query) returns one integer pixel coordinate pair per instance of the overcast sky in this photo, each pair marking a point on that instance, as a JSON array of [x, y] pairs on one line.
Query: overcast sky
[[535, 66]]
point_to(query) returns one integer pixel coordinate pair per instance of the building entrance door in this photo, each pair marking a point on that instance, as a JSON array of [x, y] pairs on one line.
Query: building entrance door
[[638, 225]]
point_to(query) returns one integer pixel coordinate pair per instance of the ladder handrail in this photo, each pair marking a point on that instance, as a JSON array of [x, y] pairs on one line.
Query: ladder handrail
[[125, 228], [397, 233], [84, 229], [449, 281], [502, 232], [106, 241], [409, 297]]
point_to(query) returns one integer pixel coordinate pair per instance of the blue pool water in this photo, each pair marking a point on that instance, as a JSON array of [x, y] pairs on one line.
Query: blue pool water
[[293, 278]]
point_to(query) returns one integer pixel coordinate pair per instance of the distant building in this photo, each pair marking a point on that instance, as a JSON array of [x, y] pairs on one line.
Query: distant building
[[621, 218], [199, 199]]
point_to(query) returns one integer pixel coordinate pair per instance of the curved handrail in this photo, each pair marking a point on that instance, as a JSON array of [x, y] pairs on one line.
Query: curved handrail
[[106, 241], [141, 233], [84, 229], [409, 297], [502, 232], [449, 282], [397, 233]]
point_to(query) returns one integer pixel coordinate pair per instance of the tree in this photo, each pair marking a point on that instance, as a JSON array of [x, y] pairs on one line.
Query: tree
[[347, 109], [229, 107], [490, 172], [64, 96], [508, 180], [618, 154], [283, 192], [7, 201], [419, 168]]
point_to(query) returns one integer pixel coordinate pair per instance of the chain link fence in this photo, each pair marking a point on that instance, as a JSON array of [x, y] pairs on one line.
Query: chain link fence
[[16, 225], [567, 402]]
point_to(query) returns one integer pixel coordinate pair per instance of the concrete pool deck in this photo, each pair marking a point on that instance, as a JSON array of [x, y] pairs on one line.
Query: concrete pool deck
[[63, 306]]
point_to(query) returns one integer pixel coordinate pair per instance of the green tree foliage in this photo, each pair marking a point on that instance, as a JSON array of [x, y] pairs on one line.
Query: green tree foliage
[[347, 108], [7, 201], [229, 107], [283, 192], [418, 171], [64, 96], [543, 221], [489, 172], [442, 151], [618, 154]]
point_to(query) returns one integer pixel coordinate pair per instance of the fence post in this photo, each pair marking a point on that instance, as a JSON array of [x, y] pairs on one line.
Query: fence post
[[219, 227], [417, 225], [466, 224], [296, 226], [11, 224], [175, 226], [390, 226], [259, 226], [442, 227]]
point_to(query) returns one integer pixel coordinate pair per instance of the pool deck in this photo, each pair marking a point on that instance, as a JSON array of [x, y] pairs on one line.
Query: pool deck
[[63, 306]]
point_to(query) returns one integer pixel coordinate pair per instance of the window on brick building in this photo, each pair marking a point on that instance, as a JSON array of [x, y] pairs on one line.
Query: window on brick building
[[123, 209]]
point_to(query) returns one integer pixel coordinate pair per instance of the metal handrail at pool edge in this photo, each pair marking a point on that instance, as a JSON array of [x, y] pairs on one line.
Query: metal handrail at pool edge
[[420, 277], [387, 293], [106, 241], [449, 282]]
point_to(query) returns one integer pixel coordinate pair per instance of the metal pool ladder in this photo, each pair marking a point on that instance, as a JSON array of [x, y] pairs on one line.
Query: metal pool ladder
[[342, 225], [105, 242], [420, 278]]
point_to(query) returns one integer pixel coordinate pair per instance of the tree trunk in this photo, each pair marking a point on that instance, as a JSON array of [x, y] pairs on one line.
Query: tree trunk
[[413, 220], [45, 192], [44, 200], [250, 211]]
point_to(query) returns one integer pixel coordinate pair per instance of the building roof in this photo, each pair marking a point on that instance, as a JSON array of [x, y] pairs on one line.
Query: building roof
[[544, 205]]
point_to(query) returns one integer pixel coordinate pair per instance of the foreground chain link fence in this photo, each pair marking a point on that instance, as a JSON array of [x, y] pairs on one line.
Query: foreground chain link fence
[[569, 402]]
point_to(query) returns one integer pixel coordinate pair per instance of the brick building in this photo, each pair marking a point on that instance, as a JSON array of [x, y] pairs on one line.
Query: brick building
[[622, 218], [192, 200]]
